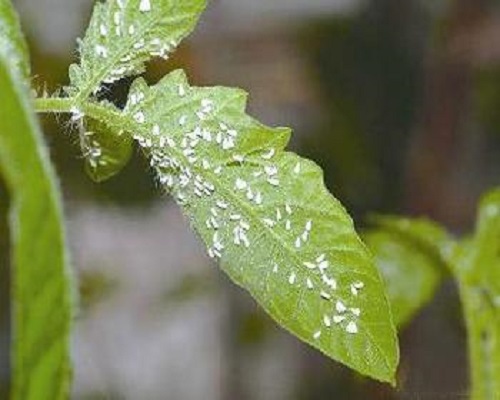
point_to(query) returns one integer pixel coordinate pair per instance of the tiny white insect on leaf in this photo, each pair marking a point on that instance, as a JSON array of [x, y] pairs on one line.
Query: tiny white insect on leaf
[[145, 6], [351, 327]]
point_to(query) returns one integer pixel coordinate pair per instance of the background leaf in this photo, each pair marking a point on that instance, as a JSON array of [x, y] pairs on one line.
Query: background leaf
[[422, 232], [267, 216], [40, 285], [410, 272], [124, 34], [412, 256]]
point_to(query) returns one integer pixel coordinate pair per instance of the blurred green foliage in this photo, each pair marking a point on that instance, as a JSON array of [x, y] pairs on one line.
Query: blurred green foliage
[[370, 82]]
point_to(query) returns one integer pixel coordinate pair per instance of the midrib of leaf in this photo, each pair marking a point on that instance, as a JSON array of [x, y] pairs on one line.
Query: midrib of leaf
[[126, 44]]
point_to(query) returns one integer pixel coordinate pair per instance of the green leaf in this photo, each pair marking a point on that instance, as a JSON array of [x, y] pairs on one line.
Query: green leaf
[[477, 263], [124, 34], [40, 287], [410, 271], [423, 233], [413, 255], [106, 151], [267, 216], [12, 44]]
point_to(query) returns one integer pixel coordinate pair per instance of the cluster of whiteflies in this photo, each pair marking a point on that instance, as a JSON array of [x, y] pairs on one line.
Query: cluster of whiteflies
[[181, 159], [144, 46]]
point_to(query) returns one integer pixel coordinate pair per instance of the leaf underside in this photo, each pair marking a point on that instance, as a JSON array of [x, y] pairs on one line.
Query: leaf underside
[[124, 34], [267, 216], [41, 311], [263, 212]]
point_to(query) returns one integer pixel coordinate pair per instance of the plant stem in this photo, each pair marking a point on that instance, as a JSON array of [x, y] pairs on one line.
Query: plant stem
[[106, 113], [55, 105], [483, 331]]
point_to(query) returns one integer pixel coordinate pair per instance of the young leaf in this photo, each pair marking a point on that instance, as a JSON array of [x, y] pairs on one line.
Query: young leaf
[[478, 274], [41, 310], [106, 151], [124, 34], [267, 216], [410, 271]]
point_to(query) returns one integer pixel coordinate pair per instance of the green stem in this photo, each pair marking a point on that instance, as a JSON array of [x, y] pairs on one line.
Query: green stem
[[55, 105], [105, 113], [483, 331]]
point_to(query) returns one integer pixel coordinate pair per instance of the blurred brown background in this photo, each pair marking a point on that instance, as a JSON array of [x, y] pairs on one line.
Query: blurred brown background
[[397, 100]]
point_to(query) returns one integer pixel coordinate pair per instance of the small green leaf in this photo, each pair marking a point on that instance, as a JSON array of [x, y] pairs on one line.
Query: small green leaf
[[124, 34], [106, 151], [477, 263], [268, 217], [41, 309], [409, 269]]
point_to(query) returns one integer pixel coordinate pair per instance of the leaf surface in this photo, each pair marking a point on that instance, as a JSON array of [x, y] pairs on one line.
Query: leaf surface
[[267, 216]]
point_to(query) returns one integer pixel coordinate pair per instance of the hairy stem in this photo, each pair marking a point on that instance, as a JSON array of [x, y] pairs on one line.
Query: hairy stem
[[68, 105], [54, 105]]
